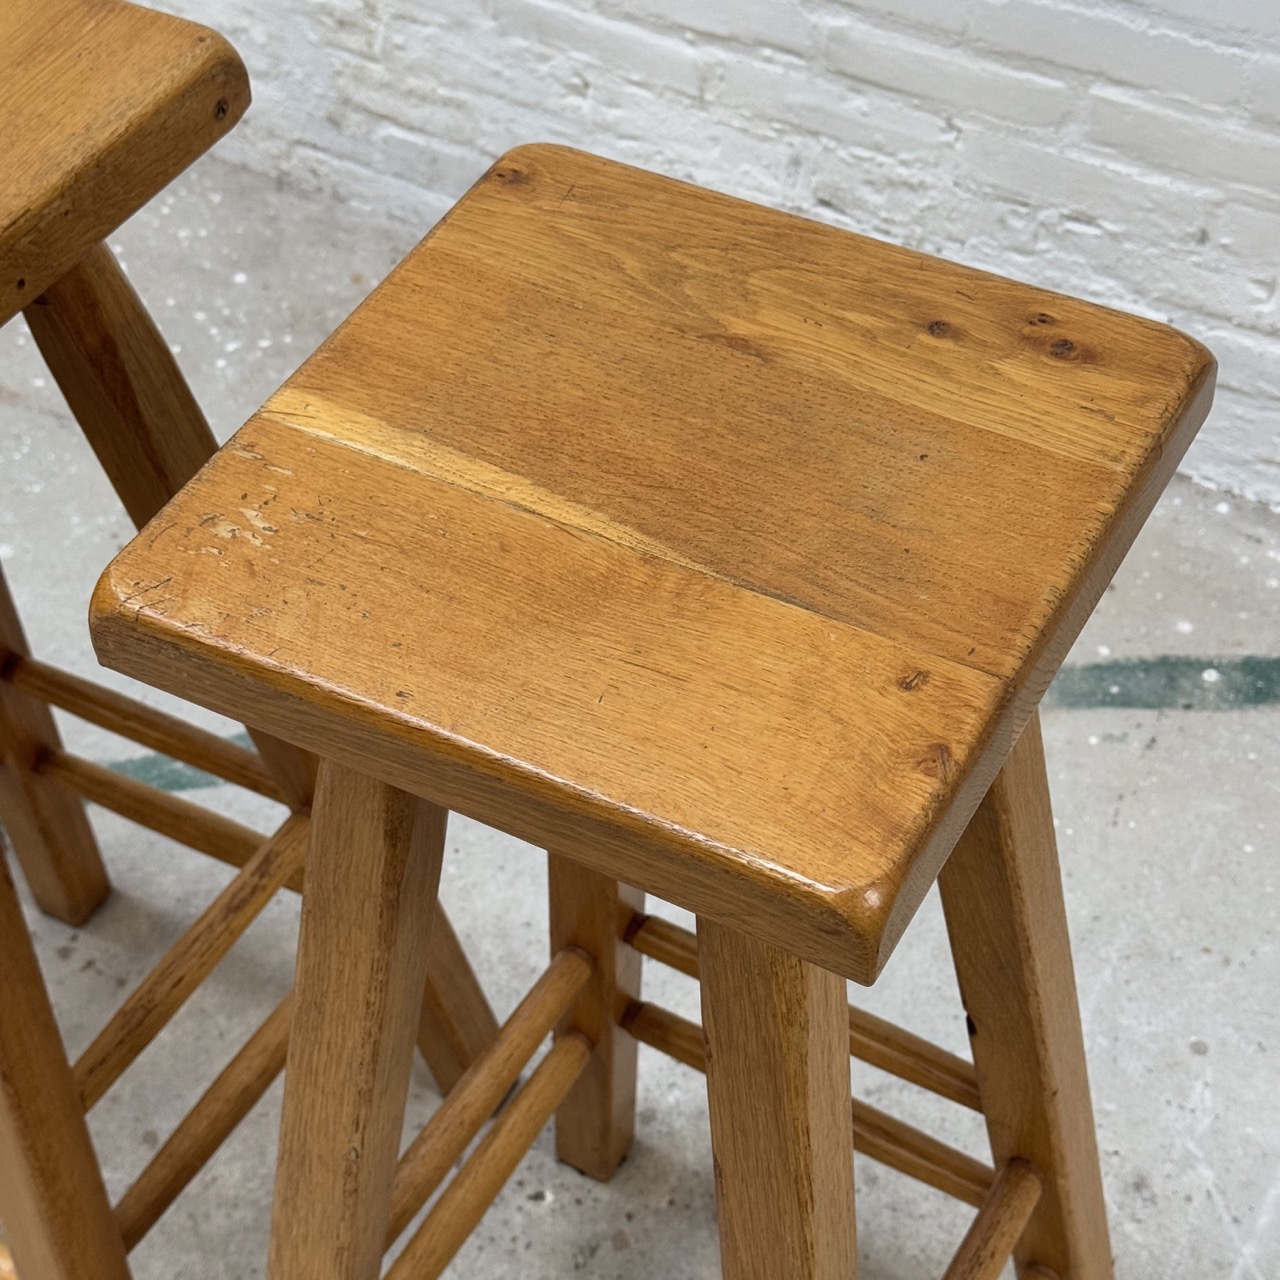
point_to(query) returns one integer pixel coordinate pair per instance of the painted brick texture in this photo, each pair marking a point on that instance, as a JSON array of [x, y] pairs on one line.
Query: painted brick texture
[[1123, 150]]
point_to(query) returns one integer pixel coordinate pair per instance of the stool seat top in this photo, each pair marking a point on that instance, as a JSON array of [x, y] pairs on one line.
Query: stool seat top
[[102, 105], [724, 550]]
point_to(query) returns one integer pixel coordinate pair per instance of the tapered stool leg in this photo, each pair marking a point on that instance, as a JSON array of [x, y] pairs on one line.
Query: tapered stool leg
[[1002, 894], [46, 823], [362, 954], [596, 1121], [777, 1041], [57, 1218]]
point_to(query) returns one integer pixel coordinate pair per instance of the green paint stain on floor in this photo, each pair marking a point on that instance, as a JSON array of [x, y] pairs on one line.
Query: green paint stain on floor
[[171, 775], [1147, 684], [1169, 684]]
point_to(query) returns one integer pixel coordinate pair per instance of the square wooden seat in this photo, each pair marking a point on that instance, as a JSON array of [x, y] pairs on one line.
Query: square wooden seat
[[731, 549], [104, 104]]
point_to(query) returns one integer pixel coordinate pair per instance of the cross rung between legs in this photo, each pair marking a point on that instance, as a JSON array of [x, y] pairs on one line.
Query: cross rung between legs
[[190, 960], [140, 723], [482, 1087], [871, 1039], [875, 1134], [460, 1208], [206, 1126], [189, 824], [1004, 1213]]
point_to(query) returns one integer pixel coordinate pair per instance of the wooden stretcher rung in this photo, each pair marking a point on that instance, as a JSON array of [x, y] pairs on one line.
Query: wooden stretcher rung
[[661, 1029], [990, 1241], [875, 1134], [664, 942], [180, 820], [206, 1126], [470, 1103], [871, 1039], [464, 1201], [190, 960], [120, 714]]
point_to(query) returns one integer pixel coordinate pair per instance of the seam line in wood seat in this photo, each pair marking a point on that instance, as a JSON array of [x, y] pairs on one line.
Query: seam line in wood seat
[[470, 475]]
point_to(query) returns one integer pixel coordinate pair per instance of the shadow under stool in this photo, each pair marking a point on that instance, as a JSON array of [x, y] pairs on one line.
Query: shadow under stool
[[104, 104], [726, 556]]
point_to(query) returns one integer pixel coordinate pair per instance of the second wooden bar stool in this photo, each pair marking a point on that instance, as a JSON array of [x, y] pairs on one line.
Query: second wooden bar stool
[[724, 555]]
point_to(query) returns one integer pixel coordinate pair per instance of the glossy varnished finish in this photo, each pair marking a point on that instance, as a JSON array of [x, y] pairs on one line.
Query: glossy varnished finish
[[104, 104], [726, 548]]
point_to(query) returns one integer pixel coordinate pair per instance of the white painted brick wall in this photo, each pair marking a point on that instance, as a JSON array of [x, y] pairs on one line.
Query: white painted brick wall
[[1124, 150]]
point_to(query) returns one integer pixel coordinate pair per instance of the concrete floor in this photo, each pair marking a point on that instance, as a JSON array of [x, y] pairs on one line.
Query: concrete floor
[[1167, 820]]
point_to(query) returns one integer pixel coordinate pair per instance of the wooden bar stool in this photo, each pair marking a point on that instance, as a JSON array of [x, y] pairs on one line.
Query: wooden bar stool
[[726, 556], [105, 103]]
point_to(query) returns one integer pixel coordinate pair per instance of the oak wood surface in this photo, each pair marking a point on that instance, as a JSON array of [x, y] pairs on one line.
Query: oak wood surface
[[140, 723], [463, 1202], [1002, 897], [372, 876], [777, 1067], [443, 1139], [57, 1218], [881, 1043], [727, 548], [596, 1121], [105, 103], [150, 1006], [206, 1126], [46, 824], [875, 1133], [990, 1240]]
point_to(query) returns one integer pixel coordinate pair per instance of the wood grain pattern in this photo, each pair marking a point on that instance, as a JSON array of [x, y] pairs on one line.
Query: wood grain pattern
[[372, 876], [588, 911], [140, 723], [614, 481], [876, 1134], [781, 1118], [463, 1203], [990, 1240], [78, 163], [1002, 896], [442, 1140], [872, 1039], [46, 824], [57, 1218]]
